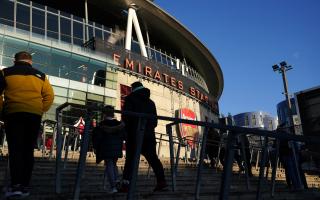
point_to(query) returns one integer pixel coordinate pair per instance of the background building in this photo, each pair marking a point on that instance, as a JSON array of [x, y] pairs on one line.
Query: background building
[[259, 119], [92, 51]]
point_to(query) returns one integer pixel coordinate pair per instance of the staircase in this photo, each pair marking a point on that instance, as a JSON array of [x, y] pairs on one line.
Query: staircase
[[43, 183]]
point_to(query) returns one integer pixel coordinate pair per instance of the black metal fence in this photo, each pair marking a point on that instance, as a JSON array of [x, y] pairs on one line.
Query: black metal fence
[[60, 140]]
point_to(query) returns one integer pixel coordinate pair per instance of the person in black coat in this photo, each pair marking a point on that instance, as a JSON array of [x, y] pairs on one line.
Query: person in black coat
[[107, 140], [139, 101]]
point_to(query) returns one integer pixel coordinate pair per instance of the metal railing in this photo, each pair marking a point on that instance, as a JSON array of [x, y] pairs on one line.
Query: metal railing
[[234, 132]]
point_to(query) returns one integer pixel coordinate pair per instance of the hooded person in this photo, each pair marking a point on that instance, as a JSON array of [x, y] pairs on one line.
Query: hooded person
[[107, 139], [139, 101]]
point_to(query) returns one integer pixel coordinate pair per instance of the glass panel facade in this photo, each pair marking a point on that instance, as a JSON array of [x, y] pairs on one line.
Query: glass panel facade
[[38, 21], [12, 46], [77, 33], [52, 26], [65, 26], [79, 68], [60, 63], [23, 17], [6, 12]]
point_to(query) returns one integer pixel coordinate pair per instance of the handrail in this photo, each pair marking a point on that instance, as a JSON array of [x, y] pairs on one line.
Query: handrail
[[230, 145]]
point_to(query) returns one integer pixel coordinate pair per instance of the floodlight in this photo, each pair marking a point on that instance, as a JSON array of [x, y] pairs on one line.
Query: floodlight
[[275, 67], [283, 64]]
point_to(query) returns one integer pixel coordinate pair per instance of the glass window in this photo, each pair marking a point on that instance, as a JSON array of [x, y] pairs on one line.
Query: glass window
[[106, 35], [59, 91], [77, 33], [90, 27], [79, 68], [158, 56], [7, 61], [254, 121], [164, 59], [6, 12], [12, 46], [74, 94], [94, 67], [38, 21], [65, 25], [23, 17], [60, 63], [52, 23], [98, 33], [246, 120], [135, 47], [40, 54]]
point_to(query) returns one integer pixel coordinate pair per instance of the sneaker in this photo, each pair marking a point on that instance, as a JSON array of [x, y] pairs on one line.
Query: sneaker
[[113, 190], [13, 192], [25, 191], [161, 186]]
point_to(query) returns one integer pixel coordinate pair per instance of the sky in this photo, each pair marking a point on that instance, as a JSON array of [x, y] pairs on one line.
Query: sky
[[247, 37]]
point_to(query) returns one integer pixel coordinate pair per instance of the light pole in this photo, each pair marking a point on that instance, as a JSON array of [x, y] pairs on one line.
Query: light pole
[[282, 70]]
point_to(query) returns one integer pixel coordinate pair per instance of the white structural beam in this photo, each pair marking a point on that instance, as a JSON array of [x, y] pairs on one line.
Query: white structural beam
[[132, 18]]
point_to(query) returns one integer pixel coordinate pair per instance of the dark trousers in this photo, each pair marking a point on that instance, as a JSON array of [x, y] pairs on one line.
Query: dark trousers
[[149, 152], [22, 130]]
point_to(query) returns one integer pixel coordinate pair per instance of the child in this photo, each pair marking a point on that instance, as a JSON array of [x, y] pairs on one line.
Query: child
[[107, 140]]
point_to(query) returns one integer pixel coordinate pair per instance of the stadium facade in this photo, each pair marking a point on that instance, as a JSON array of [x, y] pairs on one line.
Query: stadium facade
[[93, 50]]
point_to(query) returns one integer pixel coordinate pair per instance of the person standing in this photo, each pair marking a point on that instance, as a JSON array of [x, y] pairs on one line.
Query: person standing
[[139, 101], [107, 140], [27, 95]]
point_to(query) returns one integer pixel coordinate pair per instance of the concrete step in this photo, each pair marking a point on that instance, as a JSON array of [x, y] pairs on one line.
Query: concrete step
[[43, 183]]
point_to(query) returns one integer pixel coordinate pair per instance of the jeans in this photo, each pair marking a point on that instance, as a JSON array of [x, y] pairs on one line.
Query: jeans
[[111, 171]]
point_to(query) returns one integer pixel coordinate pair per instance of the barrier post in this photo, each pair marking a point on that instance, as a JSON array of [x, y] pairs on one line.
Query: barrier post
[[227, 170], [200, 164], [139, 140], [244, 158], [262, 166], [173, 174], [274, 168], [58, 137], [83, 155]]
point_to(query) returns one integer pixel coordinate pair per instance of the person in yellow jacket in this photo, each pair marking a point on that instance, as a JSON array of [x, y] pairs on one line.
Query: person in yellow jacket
[[27, 94]]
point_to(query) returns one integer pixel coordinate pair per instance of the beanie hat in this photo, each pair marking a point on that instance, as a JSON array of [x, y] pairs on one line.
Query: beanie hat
[[136, 86]]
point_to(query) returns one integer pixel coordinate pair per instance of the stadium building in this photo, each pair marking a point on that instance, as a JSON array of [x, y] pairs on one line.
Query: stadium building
[[93, 50]]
